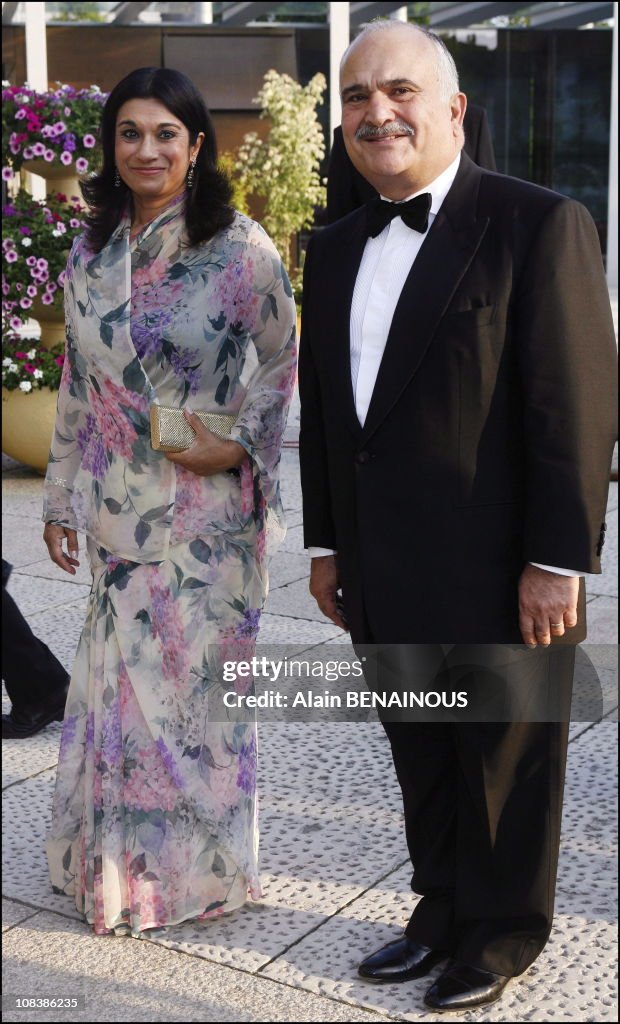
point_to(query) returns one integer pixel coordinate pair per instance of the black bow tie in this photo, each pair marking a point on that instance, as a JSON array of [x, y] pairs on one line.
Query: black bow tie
[[414, 213]]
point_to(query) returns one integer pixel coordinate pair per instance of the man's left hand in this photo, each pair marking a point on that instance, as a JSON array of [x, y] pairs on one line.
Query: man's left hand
[[207, 453], [547, 605]]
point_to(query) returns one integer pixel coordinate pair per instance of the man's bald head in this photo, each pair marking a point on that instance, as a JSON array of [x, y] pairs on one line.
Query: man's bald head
[[447, 74]]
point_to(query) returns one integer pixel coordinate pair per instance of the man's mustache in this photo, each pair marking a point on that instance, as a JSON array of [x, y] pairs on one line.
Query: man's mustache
[[369, 131]]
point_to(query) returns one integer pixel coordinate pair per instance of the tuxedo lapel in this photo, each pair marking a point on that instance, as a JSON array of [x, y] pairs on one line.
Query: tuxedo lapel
[[445, 255], [345, 254]]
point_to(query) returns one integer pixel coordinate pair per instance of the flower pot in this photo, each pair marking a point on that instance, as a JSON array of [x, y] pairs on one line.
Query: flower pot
[[27, 425], [51, 321], [59, 178]]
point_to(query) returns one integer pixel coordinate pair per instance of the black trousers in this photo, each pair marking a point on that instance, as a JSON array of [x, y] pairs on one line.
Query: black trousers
[[33, 676], [483, 806]]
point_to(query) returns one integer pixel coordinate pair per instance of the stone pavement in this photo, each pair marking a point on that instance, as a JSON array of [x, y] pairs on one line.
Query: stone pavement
[[334, 861]]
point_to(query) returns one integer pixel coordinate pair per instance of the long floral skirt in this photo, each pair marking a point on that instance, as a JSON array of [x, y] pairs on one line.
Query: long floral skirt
[[154, 816]]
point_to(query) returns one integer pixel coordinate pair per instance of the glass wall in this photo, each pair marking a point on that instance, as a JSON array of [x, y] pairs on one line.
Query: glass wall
[[547, 95]]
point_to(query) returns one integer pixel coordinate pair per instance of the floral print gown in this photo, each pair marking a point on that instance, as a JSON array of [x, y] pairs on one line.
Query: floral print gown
[[154, 817]]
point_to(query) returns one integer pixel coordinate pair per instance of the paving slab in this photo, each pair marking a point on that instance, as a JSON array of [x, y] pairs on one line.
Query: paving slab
[[13, 913], [125, 979], [296, 601], [571, 981], [36, 594]]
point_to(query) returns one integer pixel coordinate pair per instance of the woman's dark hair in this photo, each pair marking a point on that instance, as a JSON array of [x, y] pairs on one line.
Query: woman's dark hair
[[208, 207]]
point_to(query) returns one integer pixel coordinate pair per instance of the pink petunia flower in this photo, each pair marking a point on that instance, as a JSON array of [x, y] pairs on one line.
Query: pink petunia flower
[[81, 165], [28, 153], [66, 158], [38, 149], [47, 299], [11, 256], [89, 141], [15, 323], [49, 155], [7, 173], [25, 303]]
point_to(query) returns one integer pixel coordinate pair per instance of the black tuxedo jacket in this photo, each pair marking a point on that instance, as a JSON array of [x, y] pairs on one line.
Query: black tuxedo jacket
[[347, 189], [489, 435]]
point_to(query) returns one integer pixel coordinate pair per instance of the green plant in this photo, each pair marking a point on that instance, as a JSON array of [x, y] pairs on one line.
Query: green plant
[[28, 366], [228, 164], [284, 168], [36, 238]]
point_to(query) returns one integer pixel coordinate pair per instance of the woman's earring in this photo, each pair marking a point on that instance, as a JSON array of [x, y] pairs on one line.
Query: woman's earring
[[117, 178], [190, 174]]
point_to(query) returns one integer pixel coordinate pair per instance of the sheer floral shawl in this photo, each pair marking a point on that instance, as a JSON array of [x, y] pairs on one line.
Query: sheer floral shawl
[[154, 319]]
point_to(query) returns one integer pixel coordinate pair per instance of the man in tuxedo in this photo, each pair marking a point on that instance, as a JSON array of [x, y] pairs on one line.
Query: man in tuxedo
[[457, 423], [347, 189]]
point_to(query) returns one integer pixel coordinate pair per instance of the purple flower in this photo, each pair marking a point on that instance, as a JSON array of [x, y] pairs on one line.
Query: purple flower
[[250, 624], [25, 231], [59, 128], [9, 210], [20, 114], [7, 174], [47, 130], [68, 735], [42, 263], [47, 299], [93, 453], [70, 143], [81, 165], [246, 778], [19, 286], [15, 323], [66, 158], [38, 149], [6, 289], [49, 155], [67, 111], [61, 278], [11, 256], [25, 303], [74, 223], [31, 261], [28, 153], [31, 291], [169, 764], [89, 141]]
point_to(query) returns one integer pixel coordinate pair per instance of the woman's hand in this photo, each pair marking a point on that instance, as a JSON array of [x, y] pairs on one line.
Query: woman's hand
[[207, 453], [54, 536]]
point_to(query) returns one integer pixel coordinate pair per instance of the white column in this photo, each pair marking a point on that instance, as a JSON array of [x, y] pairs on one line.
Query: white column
[[400, 14], [338, 42], [206, 13], [36, 47], [612, 202], [36, 69]]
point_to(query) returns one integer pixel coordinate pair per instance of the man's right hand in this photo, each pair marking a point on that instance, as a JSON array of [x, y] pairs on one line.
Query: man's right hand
[[53, 536], [324, 587]]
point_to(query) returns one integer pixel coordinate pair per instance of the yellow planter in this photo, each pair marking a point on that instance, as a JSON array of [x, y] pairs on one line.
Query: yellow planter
[[51, 321], [59, 178], [27, 425]]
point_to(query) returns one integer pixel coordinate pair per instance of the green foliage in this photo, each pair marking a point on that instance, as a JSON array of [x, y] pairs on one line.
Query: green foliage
[[283, 169], [227, 163]]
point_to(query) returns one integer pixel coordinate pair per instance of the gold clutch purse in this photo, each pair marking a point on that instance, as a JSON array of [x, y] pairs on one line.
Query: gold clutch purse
[[170, 431]]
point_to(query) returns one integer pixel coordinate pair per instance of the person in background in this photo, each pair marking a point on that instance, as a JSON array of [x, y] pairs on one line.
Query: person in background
[[35, 681], [173, 300]]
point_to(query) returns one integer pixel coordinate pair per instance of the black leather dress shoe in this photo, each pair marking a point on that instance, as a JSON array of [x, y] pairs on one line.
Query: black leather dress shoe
[[401, 960], [16, 728], [461, 987]]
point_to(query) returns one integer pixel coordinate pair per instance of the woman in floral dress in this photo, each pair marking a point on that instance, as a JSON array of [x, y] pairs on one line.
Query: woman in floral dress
[[171, 297]]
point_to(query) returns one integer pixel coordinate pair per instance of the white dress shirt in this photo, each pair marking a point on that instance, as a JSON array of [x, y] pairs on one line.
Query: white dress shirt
[[385, 265]]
